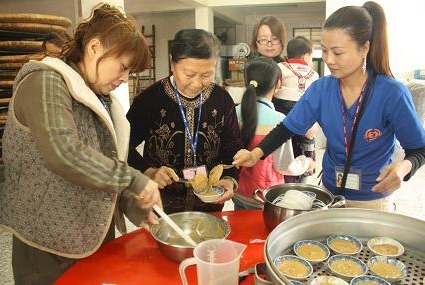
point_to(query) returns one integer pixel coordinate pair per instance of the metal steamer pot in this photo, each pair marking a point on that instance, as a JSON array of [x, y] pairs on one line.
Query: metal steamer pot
[[273, 214], [361, 223]]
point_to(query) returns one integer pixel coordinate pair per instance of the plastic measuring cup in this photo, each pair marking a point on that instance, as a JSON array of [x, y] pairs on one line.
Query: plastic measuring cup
[[217, 262]]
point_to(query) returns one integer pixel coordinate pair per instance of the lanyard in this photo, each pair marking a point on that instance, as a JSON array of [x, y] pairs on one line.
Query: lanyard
[[367, 90], [102, 100], [301, 79], [193, 140], [344, 116]]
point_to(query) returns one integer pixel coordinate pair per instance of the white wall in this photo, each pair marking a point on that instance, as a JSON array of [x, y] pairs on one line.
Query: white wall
[[166, 26], [168, 23], [293, 18]]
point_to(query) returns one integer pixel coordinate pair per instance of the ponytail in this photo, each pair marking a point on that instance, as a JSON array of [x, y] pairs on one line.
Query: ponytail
[[378, 57], [249, 114], [261, 75]]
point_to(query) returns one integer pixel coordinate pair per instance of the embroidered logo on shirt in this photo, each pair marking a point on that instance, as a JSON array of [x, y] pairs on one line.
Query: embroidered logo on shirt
[[372, 134]]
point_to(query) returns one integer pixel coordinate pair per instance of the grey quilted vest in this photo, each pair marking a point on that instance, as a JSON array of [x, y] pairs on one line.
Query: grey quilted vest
[[41, 208]]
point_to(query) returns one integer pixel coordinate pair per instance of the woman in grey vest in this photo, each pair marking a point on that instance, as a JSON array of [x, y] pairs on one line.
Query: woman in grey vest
[[67, 183]]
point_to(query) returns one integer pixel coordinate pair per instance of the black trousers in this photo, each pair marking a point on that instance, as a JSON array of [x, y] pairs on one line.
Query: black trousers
[[32, 266]]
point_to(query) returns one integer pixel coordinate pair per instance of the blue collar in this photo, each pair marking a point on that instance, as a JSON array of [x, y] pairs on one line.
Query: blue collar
[[266, 102]]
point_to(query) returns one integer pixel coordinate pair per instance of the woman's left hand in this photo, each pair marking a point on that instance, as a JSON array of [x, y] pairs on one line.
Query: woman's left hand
[[228, 185], [391, 177]]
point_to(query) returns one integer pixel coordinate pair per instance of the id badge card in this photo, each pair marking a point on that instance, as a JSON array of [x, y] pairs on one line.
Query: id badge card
[[189, 173], [353, 178]]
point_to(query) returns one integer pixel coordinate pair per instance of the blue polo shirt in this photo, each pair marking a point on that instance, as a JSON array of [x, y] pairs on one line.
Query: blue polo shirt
[[389, 114]]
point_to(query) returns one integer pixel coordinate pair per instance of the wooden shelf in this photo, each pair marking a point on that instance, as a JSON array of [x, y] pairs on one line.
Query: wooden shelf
[[142, 80]]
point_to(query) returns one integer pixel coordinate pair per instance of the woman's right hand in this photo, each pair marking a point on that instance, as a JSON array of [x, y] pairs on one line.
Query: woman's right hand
[[247, 158], [149, 196], [163, 176]]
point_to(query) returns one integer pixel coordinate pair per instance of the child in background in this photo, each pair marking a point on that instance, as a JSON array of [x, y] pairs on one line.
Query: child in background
[[297, 75], [257, 117]]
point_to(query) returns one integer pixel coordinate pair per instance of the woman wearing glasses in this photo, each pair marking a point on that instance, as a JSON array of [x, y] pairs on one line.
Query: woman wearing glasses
[[269, 38]]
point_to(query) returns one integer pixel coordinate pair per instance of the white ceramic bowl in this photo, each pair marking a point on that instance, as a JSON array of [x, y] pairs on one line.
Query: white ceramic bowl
[[310, 257], [294, 199], [299, 261], [348, 258], [396, 248], [389, 261], [328, 280], [344, 238], [310, 193], [218, 190], [369, 278]]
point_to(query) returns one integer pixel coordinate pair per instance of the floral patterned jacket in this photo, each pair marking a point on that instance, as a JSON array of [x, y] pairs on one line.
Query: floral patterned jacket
[[155, 119]]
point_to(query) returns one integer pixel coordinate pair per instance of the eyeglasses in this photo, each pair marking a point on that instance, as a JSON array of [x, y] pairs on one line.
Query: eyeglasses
[[265, 42]]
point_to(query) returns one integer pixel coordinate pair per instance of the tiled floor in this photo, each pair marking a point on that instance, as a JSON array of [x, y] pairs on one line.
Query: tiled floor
[[410, 200]]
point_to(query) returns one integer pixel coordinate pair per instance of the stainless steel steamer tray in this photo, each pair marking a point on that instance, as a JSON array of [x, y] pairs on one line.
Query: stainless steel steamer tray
[[362, 223]]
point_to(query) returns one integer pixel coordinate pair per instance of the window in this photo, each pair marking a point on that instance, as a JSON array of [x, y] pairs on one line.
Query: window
[[313, 34]]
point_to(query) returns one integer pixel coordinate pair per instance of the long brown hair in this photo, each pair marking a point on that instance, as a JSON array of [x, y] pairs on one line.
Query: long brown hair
[[366, 23], [117, 32]]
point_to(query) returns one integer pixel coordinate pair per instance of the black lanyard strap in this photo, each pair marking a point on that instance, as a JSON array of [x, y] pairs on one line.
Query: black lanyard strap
[[354, 132]]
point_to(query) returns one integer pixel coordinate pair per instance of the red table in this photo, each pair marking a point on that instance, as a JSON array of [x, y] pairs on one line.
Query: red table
[[134, 258]]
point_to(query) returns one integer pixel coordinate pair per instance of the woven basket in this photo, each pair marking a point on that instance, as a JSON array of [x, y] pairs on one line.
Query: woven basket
[[4, 101], [11, 66], [8, 75], [6, 83], [32, 27], [34, 18], [21, 45], [21, 58]]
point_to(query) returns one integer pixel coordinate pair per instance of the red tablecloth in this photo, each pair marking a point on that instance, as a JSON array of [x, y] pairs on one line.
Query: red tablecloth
[[134, 258]]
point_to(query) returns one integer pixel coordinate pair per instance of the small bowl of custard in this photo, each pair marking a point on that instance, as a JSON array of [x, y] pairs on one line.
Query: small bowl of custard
[[385, 246], [312, 250]]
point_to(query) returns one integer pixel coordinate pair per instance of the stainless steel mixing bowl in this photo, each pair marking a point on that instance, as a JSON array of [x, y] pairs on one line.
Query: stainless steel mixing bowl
[[273, 214], [200, 226]]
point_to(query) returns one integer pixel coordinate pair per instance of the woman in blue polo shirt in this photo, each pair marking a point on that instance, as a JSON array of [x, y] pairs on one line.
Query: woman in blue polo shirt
[[361, 108]]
